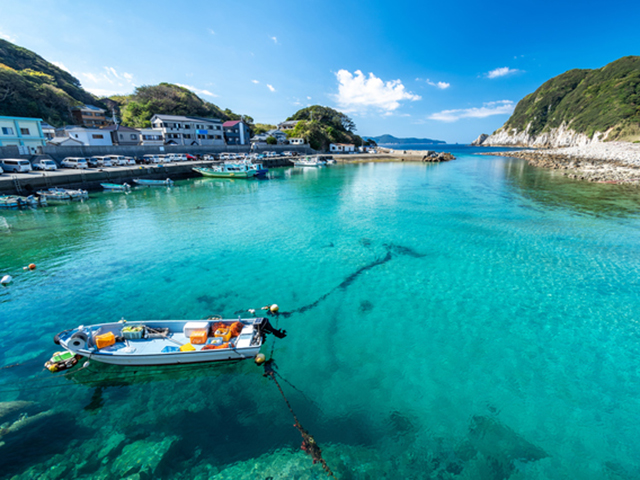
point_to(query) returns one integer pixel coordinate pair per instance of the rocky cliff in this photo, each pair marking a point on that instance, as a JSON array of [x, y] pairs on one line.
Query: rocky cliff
[[577, 108]]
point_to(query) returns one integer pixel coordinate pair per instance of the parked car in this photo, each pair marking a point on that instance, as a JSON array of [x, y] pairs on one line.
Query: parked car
[[149, 158], [130, 160], [210, 157], [1, 171], [75, 162], [117, 160], [16, 165], [94, 162], [45, 164], [191, 158], [270, 154]]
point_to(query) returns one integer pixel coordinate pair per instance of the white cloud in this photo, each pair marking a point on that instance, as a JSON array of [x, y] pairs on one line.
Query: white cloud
[[8, 37], [61, 66], [502, 107], [107, 82], [440, 85], [199, 91], [275, 39], [271, 88], [356, 92], [501, 72], [308, 98], [255, 81], [212, 32]]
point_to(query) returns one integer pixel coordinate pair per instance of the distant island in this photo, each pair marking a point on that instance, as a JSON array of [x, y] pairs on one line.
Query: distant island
[[390, 139]]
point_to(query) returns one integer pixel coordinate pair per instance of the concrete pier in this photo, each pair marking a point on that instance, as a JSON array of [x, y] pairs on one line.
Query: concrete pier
[[91, 178]]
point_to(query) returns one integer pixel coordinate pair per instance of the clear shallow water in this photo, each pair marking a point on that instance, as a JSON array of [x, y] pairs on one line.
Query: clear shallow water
[[473, 319]]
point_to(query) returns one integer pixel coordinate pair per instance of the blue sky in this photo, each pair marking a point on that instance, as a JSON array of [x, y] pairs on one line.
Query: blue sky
[[442, 70]]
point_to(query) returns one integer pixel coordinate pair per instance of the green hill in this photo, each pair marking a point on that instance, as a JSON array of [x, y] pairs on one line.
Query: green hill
[[320, 126], [32, 87], [587, 101], [137, 109]]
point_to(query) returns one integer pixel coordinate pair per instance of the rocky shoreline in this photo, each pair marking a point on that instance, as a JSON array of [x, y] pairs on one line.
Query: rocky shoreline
[[610, 162]]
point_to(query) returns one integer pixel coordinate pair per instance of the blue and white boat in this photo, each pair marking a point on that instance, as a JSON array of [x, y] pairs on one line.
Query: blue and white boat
[[62, 194], [228, 170], [116, 187], [168, 342], [16, 201], [153, 183]]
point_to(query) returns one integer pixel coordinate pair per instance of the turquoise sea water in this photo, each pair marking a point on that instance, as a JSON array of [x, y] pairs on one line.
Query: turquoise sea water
[[476, 319]]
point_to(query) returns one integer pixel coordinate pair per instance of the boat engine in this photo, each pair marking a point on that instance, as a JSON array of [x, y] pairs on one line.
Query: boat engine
[[266, 327]]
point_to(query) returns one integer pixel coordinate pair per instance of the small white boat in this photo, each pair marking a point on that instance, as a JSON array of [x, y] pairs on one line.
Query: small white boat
[[17, 201], [116, 187], [153, 183], [168, 342], [63, 194], [309, 162]]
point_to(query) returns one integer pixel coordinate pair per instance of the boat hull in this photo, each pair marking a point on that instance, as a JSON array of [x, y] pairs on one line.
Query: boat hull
[[177, 358], [208, 172]]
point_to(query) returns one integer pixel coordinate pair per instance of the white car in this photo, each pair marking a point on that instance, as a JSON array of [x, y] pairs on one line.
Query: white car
[[16, 165], [130, 160], [75, 162], [45, 164]]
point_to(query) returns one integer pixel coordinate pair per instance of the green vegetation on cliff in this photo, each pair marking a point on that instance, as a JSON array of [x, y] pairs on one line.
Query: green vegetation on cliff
[[320, 126], [587, 101], [137, 109], [32, 87]]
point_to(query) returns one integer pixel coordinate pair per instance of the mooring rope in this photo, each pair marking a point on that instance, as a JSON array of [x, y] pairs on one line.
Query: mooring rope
[[309, 445]]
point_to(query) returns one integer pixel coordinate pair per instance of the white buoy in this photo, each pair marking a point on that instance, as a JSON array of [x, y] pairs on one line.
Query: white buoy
[[6, 280]]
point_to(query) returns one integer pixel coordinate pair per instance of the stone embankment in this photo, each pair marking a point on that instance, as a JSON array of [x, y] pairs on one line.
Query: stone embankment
[[611, 162], [390, 155]]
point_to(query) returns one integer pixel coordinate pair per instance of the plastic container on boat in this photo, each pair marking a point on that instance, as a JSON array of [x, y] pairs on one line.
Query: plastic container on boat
[[223, 333], [132, 333], [198, 337], [105, 340], [187, 347], [190, 327]]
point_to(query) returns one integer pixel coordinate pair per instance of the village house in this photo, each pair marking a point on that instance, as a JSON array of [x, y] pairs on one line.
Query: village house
[[180, 130], [236, 132], [342, 147], [25, 133], [88, 136], [151, 136], [121, 135], [89, 116]]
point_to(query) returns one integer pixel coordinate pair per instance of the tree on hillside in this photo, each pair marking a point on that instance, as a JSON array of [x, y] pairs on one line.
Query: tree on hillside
[[321, 126], [137, 109]]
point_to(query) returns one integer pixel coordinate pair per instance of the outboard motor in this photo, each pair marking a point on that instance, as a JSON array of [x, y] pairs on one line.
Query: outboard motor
[[266, 327]]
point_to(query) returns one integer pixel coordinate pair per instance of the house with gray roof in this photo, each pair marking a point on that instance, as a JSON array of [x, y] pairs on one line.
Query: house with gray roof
[[182, 130]]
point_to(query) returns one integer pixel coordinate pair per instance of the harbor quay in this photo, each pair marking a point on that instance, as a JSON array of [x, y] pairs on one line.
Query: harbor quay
[[91, 178]]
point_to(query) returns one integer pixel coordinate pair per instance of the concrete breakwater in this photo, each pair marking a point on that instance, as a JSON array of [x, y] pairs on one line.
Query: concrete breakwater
[[90, 179], [389, 155]]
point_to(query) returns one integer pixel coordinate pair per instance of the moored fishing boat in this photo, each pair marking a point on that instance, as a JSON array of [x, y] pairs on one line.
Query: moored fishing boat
[[227, 170], [116, 187], [153, 183], [309, 162], [62, 194], [17, 201], [168, 342]]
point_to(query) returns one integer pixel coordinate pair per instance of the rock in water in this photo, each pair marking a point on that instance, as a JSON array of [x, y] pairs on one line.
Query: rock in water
[[7, 408], [497, 441], [480, 139], [142, 456]]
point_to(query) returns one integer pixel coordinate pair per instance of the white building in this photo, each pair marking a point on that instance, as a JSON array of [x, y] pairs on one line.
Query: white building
[[342, 147], [288, 125], [179, 130], [88, 136], [25, 133], [296, 141], [151, 136]]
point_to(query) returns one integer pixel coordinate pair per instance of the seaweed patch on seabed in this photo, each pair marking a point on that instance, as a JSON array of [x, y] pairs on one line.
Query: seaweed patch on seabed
[[392, 250]]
